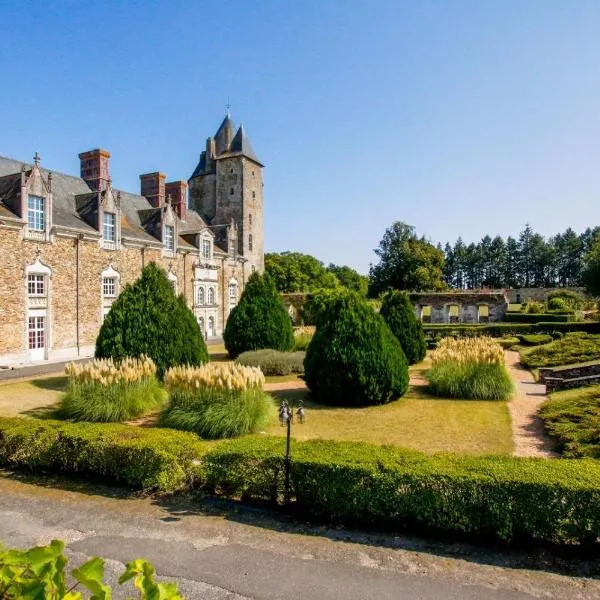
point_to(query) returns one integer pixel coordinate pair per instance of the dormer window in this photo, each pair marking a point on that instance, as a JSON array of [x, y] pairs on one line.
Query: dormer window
[[109, 227], [36, 217], [169, 238], [206, 248]]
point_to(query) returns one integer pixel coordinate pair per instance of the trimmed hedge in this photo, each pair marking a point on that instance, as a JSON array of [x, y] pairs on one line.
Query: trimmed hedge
[[151, 459], [514, 317], [273, 362], [504, 498], [501, 329]]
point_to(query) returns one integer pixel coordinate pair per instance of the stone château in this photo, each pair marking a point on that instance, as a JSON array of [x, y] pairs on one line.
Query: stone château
[[68, 245]]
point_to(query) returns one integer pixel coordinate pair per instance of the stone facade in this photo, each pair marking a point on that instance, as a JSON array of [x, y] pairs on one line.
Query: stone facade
[[460, 307], [69, 245]]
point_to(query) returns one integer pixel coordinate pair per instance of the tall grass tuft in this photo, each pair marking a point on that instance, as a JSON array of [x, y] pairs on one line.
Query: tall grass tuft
[[106, 391], [302, 337], [472, 369], [217, 400]]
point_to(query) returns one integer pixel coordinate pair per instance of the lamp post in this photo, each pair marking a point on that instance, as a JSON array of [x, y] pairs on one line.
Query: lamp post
[[286, 418]]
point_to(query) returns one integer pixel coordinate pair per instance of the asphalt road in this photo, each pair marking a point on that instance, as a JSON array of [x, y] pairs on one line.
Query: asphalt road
[[220, 552]]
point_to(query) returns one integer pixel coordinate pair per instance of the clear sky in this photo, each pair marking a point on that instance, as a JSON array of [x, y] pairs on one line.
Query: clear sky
[[457, 117]]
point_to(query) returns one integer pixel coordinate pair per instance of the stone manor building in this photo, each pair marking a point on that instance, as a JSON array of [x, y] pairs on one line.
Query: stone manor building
[[68, 245]]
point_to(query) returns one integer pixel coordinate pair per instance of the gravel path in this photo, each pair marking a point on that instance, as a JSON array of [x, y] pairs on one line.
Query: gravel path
[[528, 430]]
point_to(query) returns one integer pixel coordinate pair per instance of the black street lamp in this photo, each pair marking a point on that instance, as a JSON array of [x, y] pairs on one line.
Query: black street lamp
[[286, 418]]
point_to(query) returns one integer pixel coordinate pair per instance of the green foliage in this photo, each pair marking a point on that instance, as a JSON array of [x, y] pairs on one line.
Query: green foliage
[[535, 339], [505, 498], [406, 262], [470, 381], [218, 413], [508, 341], [273, 362], [570, 349], [317, 302], [259, 320], [354, 359], [301, 341], [559, 305], [533, 307], [399, 314], [40, 573], [350, 279], [150, 459], [590, 276], [538, 318], [296, 272], [147, 318], [573, 418], [122, 401]]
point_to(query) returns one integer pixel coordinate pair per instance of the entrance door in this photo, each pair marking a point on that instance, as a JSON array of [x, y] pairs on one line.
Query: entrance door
[[37, 338]]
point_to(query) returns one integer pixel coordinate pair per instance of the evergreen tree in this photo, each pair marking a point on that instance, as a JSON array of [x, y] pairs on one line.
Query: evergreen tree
[[399, 313], [259, 320], [147, 318], [591, 270]]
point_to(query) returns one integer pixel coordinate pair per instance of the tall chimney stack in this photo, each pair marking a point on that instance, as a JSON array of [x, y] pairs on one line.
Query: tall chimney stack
[[94, 168], [178, 192], [153, 187]]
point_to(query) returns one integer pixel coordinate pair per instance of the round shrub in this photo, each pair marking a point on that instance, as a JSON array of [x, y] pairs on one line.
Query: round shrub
[[259, 321], [273, 362], [217, 400], [354, 359], [148, 319], [399, 314]]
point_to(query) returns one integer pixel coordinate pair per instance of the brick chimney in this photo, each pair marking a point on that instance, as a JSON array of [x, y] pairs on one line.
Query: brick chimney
[[178, 192], [94, 168], [153, 187]]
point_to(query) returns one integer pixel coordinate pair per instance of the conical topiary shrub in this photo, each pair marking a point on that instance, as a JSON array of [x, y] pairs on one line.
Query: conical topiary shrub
[[147, 318], [259, 320], [354, 359], [400, 316]]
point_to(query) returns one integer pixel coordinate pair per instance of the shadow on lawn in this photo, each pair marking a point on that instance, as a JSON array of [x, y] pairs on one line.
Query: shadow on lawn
[[55, 384]]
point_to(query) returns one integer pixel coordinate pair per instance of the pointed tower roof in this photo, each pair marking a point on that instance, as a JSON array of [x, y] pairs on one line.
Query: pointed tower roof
[[224, 134], [241, 144]]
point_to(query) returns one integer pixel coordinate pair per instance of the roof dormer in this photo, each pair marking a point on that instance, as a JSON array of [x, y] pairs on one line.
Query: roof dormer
[[34, 204]]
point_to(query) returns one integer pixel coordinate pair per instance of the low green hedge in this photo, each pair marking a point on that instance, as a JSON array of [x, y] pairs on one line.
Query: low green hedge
[[151, 459], [535, 339], [502, 329], [273, 362], [521, 317], [506, 498]]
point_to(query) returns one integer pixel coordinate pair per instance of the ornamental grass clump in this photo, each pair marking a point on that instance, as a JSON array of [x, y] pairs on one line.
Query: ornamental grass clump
[[106, 391], [472, 369], [217, 400]]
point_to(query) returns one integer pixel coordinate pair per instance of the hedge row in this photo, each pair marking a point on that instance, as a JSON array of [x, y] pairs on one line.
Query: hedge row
[[494, 497], [511, 317], [501, 329], [151, 459]]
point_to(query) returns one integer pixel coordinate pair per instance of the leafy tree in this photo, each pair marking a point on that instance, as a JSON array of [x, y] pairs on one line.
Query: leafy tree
[[259, 321], [399, 313], [350, 279], [591, 271], [296, 272], [406, 262], [147, 318], [354, 359]]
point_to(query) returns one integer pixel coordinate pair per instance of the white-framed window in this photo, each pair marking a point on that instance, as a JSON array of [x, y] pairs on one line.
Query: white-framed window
[[109, 287], [211, 327], [211, 296], [36, 332], [109, 227], [169, 238], [233, 294], [200, 296], [36, 216], [206, 248], [250, 242], [36, 285]]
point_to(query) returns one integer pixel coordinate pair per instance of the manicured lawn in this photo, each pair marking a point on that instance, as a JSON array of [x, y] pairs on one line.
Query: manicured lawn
[[33, 398]]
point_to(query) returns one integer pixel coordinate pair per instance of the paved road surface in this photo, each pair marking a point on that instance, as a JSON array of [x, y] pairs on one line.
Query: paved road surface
[[225, 553]]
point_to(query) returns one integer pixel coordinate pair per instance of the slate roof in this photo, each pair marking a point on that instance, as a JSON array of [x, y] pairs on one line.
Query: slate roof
[[73, 200], [241, 145]]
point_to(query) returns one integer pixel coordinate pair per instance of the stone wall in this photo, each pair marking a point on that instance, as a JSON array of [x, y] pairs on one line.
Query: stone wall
[[555, 384], [520, 295], [468, 303]]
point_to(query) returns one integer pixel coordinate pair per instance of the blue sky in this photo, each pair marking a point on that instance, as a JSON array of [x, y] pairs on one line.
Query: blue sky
[[460, 118]]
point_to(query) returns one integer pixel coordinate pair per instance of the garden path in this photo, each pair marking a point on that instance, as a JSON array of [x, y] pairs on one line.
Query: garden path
[[528, 429]]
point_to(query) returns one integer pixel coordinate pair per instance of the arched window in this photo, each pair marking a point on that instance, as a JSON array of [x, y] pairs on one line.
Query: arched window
[[211, 296], [211, 327], [200, 296], [201, 326]]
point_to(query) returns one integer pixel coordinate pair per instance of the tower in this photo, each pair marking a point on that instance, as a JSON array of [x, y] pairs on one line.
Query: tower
[[227, 185]]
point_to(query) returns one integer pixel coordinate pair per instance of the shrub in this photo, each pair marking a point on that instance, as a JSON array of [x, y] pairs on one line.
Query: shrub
[[354, 359], [535, 339], [568, 298], [399, 314], [259, 320], [570, 349], [507, 341], [469, 369], [554, 317], [302, 337], [105, 391], [534, 307], [148, 319], [217, 400], [505, 498], [317, 302], [151, 459], [558, 304], [40, 573], [273, 362]]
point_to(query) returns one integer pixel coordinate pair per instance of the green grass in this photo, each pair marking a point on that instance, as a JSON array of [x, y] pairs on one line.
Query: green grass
[[473, 381], [572, 417], [571, 349]]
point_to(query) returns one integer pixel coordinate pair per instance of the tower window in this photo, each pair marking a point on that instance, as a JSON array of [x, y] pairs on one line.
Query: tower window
[[250, 242], [231, 191], [250, 220], [253, 194]]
